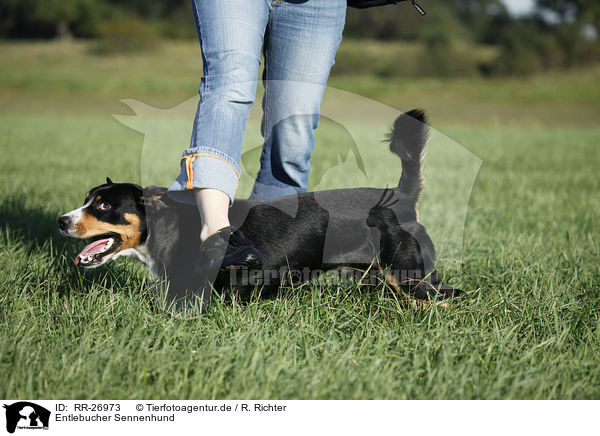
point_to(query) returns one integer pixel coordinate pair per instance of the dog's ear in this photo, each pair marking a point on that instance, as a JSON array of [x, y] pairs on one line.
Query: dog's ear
[[108, 181], [153, 197]]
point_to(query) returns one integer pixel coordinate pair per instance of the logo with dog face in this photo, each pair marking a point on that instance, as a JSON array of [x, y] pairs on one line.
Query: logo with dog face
[[357, 126], [26, 415]]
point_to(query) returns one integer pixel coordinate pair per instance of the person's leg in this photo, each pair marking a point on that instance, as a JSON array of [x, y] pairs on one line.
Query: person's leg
[[301, 40], [231, 34], [213, 206]]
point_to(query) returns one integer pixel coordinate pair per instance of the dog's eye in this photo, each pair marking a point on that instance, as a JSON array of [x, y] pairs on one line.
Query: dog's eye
[[104, 206]]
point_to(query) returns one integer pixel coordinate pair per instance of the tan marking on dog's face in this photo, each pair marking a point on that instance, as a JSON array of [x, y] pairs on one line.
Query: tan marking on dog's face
[[98, 197], [89, 226]]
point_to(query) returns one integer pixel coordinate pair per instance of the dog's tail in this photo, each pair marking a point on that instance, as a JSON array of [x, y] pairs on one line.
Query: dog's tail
[[407, 140]]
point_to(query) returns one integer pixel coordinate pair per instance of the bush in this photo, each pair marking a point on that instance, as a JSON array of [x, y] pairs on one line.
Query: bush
[[528, 48], [392, 22], [399, 59], [382, 59], [448, 47], [449, 60], [125, 36]]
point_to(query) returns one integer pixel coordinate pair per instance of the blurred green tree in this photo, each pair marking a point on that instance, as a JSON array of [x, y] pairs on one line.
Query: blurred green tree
[[482, 17], [66, 15], [576, 26], [51, 18], [584, 12]]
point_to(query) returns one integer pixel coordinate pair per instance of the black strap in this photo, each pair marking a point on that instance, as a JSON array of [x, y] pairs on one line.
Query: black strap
[[363, 4]]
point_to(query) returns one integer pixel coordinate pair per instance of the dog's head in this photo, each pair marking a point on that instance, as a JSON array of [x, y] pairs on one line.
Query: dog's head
[[112, 216]]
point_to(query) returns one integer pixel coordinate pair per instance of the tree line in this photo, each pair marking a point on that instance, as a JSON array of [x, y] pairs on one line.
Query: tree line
[[557, 34]]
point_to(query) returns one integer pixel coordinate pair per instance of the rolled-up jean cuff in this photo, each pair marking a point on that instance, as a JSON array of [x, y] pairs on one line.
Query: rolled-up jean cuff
[[204, 167]]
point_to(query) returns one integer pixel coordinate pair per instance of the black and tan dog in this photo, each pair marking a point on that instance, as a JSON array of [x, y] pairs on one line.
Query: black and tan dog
[[299, 236]]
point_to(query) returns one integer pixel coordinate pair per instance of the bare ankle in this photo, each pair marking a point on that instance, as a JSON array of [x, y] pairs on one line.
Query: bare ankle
[[213, 206]]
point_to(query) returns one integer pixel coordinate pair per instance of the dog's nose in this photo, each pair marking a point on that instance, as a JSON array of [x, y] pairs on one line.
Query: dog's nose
[[63, 222]]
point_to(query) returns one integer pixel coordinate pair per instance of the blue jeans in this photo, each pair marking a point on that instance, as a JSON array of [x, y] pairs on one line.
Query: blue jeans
[[299, 39]]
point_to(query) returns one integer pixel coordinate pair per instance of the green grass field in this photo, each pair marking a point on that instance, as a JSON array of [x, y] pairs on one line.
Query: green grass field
[[527, 328]]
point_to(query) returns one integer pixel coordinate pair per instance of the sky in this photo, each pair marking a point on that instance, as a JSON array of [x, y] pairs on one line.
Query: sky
[[519, 6]]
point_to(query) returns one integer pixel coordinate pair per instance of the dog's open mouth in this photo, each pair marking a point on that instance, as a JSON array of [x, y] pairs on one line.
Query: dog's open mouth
[[96, 253]]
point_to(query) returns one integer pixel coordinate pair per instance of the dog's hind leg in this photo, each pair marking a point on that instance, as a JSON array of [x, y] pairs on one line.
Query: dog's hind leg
[[430, 290], [421, 291], [393, 282]]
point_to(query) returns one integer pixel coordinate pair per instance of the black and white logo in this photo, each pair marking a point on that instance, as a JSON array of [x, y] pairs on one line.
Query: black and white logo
[[26, 415]]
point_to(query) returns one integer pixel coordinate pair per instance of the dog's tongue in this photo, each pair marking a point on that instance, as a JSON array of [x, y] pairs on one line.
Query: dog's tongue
[[93, 248]]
